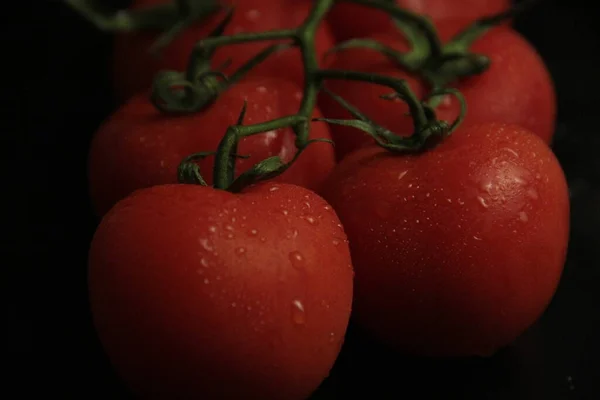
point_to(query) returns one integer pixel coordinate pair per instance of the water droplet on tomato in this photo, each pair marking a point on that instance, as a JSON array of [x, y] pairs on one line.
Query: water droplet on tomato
[[511, 151], [532, 193], [292, 234], [205, 244], [230, 235], [206, 281], [240, 251], [253, 232], [332, 337], [263, 239], [234, 305], [298, 313], [477, 238], [311, 220], [327, 208], [336, 242], [204, 262], [402, 174], [212, 229], [229, 228], [297, 259], [482, 201], [285, 212], [523, 216], [273, 188]]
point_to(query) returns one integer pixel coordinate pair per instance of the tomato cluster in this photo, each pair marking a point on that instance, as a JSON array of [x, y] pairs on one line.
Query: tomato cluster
[[451, 250]]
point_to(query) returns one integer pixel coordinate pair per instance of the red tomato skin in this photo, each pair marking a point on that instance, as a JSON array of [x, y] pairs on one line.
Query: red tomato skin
[[366, 96], [516, 89], [138, 146], [134, 68], [366, 22], [458, 250], [200, 293]]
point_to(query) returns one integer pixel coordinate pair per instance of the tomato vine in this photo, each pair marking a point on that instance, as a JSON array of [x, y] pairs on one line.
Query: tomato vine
[[194, 89]]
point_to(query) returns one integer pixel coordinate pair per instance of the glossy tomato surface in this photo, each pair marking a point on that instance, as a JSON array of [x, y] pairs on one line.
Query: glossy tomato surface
[[135, 68], [200, 293], [138, 146], [517, 88], [352, 21], [457, 250]]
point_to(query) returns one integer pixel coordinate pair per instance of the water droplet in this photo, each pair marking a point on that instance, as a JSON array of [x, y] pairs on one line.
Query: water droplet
[[206, 281], [477, 238], [229, 228], [332, 337], [327, 208], [532, 193], [511, 151], [240, 251], [253, 232], [482, 201], [298, 314], [292, 234], [204, 243], [230, 235], [263, 239], [409, 185], [311, 220], [449, 200], [462, 203], [297, 259], [307, 204], [273, 188], [212, 229], [261, 89], [234, 305], [252, 15], [285, 212], [402, 174], [233, 218], [523, 216], [336, 242], [204, 262], [427, 194]]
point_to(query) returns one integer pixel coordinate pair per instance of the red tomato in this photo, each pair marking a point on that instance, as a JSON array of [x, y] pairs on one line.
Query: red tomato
[[366, 22], [134, 67], [138, 146], [200, 293], [517, 88], [456, 250]]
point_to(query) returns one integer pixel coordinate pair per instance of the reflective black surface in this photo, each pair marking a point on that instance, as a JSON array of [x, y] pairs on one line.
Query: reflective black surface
[[51, 344]]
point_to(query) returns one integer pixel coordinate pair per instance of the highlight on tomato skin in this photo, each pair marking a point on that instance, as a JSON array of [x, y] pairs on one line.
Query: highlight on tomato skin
[[457, 250], [201, 293], [138, 146]]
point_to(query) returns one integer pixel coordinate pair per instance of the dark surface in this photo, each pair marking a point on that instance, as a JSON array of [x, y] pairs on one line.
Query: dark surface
[[50, 337]]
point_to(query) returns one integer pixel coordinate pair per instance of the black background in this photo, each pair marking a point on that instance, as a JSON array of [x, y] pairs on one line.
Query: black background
[[65, 93]]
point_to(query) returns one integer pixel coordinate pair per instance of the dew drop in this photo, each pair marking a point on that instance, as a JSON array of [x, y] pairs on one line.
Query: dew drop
[[332, 337], [523, 216], [240, 251], [229, 228], [274, 188], [204, 243], [297, 259], [327, 208], [482, 201], [230, 235], [462, 203], [204, 262], [532, 193], [311, 220], [253, 232], [402, 174], [292, 234], [263, 239], [234, 305], [206, 281], [298, 314], [212, 229], [336, 242], [477, 238], [285, 212], [449, 200]]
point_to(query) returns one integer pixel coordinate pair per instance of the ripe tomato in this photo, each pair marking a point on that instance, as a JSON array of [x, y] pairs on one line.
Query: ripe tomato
[[517, 88], [138, 146], [366, 22], [200, 293], [456, 250], [135, 67]]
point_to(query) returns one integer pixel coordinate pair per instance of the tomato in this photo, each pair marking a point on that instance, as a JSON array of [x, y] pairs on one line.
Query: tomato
[[138, 146], [135, 67], [517, 88], [456, 250], [366, 22], [201, 293]]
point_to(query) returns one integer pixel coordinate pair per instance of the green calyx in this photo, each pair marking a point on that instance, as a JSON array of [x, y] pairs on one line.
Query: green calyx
[[180, 92]]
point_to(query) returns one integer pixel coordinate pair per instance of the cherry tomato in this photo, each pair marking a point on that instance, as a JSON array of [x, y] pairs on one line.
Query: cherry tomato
[[351, 20], [138, 146], [201, 293], [517, 88], [456, 250], [135, 67]]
